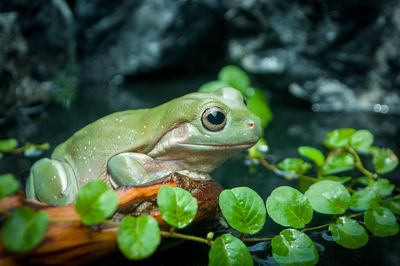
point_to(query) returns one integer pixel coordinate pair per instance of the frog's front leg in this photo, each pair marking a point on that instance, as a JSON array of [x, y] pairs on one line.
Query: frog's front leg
[[129, 168], [52, 181]]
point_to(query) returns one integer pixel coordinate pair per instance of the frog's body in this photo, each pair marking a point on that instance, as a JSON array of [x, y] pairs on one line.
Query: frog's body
[[137, 146]]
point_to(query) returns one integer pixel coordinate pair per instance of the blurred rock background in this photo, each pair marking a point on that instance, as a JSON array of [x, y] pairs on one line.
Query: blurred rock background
[[336, 55]]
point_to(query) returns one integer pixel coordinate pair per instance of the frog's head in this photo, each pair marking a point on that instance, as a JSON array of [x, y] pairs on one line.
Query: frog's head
[[214, 127]]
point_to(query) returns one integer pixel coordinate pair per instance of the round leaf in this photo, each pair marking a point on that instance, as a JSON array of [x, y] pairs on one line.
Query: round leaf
[[338, 163], [289, 207], [312, 154], [177, 206], [213, 86], [138, 238], [362, 139], [8, 145], [348, 233], [361, 199], [328, 197], [294, 165], [235, 77], [95, 202], [8, 185], [228, 250], [258, 105], [339, 138], [384, 160], [243, 208], [24, 229], [292, 247], [381, 221], [382, 187], [393, 204]]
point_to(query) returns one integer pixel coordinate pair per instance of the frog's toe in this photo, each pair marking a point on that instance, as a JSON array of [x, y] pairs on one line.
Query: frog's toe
[[53, 182]]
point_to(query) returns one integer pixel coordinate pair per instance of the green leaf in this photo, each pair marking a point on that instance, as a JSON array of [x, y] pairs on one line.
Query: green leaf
[[243, 208], [95, 202], [361, 199], [381, 221], [393, 204], [177, 206], [338, 179], [338, 163], [228, 250], [362, 139], [382, 187], [292, 247], [24, 229], [138, 238], [339, 138], [7, 145], [294, 165], [213, 86], [235, 77], [313, 154], [328, 197], [258, 150], [258, 105], [8, 185], [348, 233], [289, 207], [384, 160]]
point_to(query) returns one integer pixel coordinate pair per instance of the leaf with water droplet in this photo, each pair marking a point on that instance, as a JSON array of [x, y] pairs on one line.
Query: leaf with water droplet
[[228, 250], [362, 140], [384, 160], [338, 163], [243, 208], [361, 199], [289, 207], [328, 197], [381, 221], [292, 247], [339, 138], [313, 154], [294, 165], [382, 187], [177, 206], [348, 233]]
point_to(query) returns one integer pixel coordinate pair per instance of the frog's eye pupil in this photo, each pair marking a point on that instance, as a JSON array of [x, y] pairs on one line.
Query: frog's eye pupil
[[214, 119]]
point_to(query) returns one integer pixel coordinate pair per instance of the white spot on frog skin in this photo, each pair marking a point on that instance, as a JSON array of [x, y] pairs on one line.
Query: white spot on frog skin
[[144, 126], [162, 127], [85, 147], [90, 170], [118, 137]]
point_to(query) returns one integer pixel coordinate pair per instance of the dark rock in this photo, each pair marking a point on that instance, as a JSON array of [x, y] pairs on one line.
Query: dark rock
[[341, 54], [48, 27], [17, 88], [134, 37]]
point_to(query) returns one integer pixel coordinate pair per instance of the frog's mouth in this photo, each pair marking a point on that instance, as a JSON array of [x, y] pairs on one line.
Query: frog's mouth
[[216, 146]]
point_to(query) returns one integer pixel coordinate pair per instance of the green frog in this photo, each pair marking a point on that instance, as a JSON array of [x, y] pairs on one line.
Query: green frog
[[194, 133]]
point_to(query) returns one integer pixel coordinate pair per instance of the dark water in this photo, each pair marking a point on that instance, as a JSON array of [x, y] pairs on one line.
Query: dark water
[[294, 124]]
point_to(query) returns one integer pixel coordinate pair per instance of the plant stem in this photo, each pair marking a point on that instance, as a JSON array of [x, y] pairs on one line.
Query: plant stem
[[359, 165], [186, 237], [267, 164], [257, 239], [316, 227]]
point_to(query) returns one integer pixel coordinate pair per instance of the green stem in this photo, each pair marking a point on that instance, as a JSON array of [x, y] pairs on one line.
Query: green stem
[[359, 165], [316, 227], [257, 239], [186, 237]]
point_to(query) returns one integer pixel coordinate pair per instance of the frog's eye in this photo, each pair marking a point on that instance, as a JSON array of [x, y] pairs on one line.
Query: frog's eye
[[214, 119]]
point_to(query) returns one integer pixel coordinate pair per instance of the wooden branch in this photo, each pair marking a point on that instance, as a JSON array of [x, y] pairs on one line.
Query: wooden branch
[[72, 242]]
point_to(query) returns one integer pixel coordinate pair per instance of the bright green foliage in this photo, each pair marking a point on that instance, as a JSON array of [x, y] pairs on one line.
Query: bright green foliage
[[338, 179], [243, 208], [24, 229], [393, 204], [313, 154], [227, 250], [235, 77], [382, 187], [338, 163], [95, 202], [289, 207], [257, 150], [138, 238], [7, 145], [362, 139], [328, 197], [177, 206], [8, 185], [348, 233], [294, 165], [384, 160], [381, 221], [292, 247], [339, 138], [257, 103], [361, 199], [33, 150], [213, 86]]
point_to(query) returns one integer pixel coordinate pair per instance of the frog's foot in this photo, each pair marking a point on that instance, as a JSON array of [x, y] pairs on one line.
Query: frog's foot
[[53, 182], [126, 170]]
